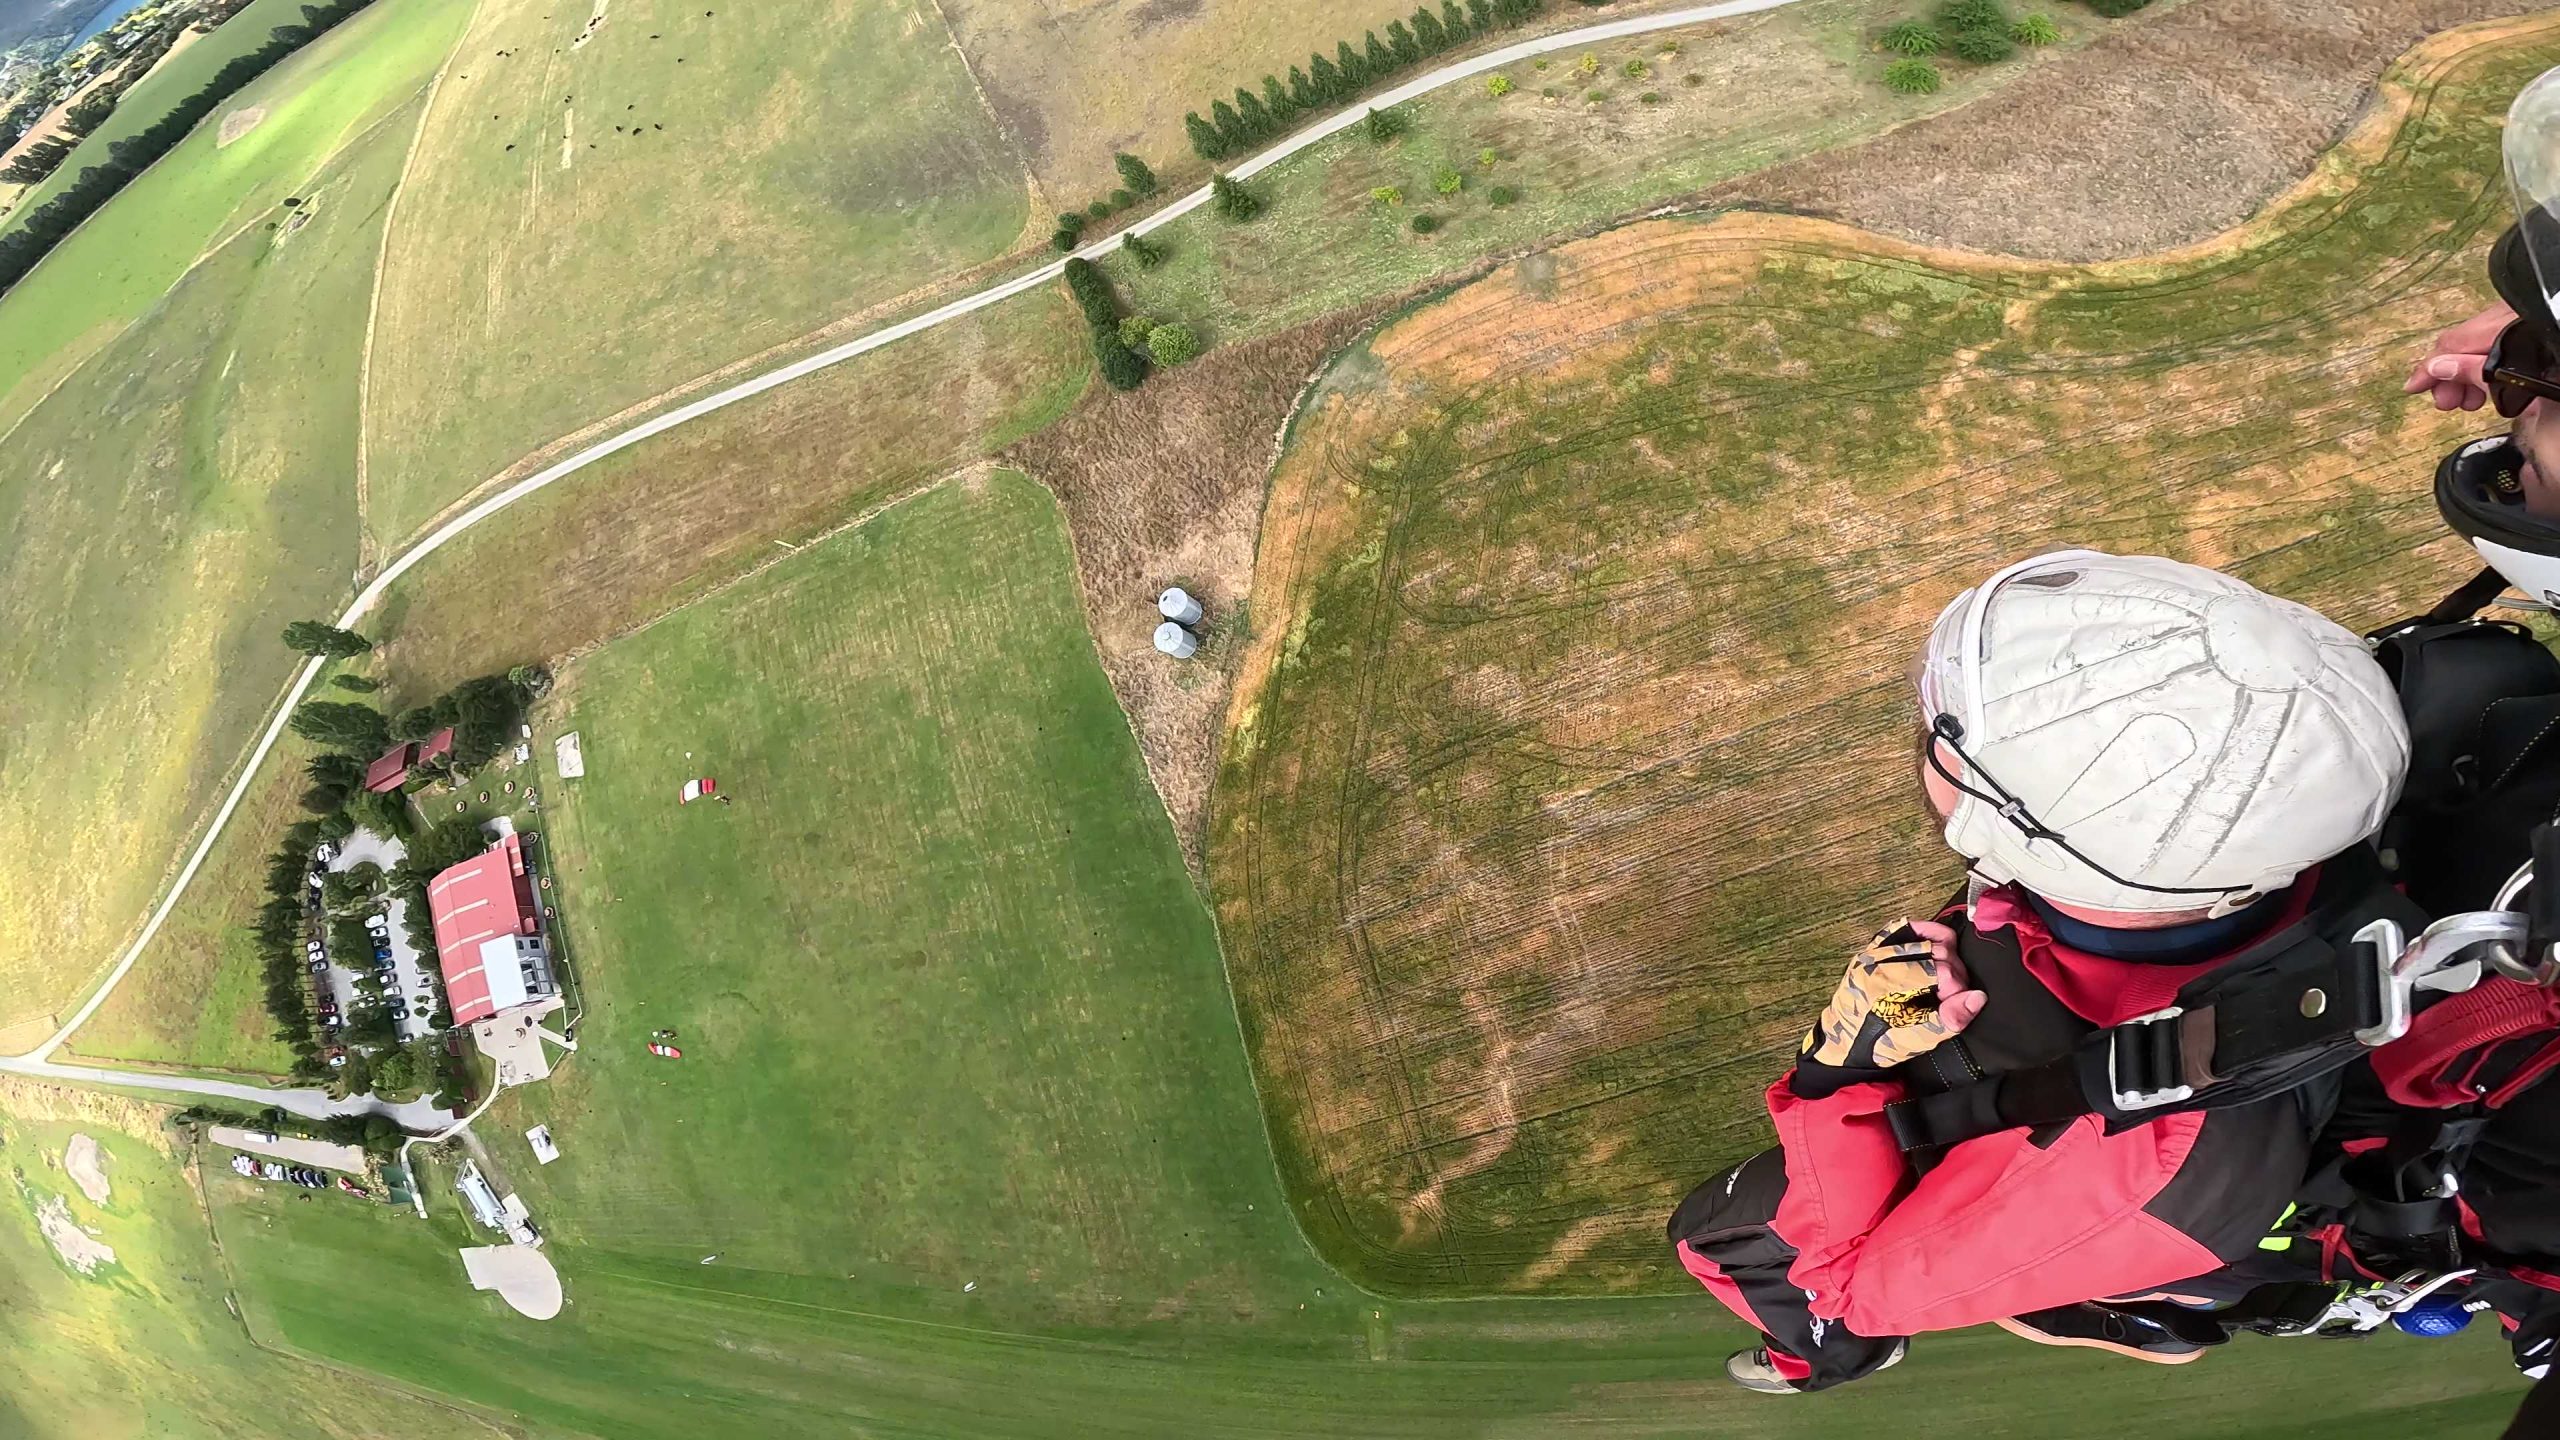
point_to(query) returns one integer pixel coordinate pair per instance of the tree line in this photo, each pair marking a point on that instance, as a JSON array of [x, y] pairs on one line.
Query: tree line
[[45, 226], [1323, 82], [1122, 368]]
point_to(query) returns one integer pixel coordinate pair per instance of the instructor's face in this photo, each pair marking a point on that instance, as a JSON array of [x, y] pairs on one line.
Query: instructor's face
[[2537, 434]]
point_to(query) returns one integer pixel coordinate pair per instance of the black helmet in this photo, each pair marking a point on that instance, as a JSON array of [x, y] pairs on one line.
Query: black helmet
[[2480, 491]]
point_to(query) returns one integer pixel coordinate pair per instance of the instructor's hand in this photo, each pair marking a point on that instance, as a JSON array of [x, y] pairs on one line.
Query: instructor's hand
[[2451, 373], [1902, 995]]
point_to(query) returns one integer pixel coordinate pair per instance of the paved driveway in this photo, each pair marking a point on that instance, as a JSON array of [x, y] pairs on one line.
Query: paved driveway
[[409, 969]]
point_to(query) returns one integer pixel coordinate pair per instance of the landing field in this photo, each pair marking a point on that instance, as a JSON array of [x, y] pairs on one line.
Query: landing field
[[963, 1128], [114, 1322], [594, 220], [1572, 748], [170, 508]]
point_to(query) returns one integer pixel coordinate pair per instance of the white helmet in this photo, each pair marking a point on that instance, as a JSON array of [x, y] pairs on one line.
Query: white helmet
[[2136, 734]]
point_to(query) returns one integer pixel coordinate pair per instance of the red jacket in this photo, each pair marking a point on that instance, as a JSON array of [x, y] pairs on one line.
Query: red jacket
[[2024, 1220]]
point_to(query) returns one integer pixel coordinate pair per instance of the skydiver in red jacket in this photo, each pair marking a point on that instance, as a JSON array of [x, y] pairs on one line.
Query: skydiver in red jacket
[[2147, 766]]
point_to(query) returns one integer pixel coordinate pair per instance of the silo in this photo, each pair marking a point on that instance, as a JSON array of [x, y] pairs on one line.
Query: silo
[[1175, 641], [1178, 606]]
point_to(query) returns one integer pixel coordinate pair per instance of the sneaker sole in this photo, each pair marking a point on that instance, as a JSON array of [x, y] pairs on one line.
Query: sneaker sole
[[2060, 1342]]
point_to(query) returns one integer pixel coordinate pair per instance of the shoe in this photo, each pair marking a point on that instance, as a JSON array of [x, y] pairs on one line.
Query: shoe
[[1751, 1369], [2097, 1327]]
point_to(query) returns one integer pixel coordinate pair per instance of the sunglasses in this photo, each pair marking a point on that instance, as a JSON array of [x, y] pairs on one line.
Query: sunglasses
[[2519, 369]]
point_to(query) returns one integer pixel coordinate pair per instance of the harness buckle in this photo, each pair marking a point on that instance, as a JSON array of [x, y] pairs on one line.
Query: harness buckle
[[2148, 1075], [2432, 962]]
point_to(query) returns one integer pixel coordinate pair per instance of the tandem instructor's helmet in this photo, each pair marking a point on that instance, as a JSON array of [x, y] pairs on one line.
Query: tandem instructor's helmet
[[2136, 734]]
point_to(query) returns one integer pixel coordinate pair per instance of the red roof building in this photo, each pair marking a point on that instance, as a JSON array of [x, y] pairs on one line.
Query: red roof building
[[489, 934], [392, 770]]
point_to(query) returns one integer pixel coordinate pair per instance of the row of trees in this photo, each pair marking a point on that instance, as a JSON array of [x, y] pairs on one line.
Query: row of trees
[[377, 1134], [483, 713], [1137, 183], [1122, 367], [45, 226], [280, 929], [1322, 82]]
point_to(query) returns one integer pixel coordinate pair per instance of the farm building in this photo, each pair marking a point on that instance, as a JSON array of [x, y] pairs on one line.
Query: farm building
[[392, 770]]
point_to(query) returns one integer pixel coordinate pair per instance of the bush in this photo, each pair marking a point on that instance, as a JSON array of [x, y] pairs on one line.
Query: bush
[[1172, 344], [1636, 69], [1448, 181], [1072, 222], [1650, 97], [1387, 195], [1098, 210], [1122, 368], [1133, 330], [361, 684], [1502, 195], [1425, 224], [1092, 295], [1121, 199], [1693, 79], [1384, 125], [1588, 64], [1960, 15], [1913, 38], [1147, 253], [1913, 77], [1063, 241], [1595, 96], [2036, 29], [1498, 86], [1984, 47], [1134, 173], [2117, 9], [1488, 158]]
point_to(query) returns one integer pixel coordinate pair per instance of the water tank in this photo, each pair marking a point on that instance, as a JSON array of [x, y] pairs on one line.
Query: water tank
[[1179, 607], [1175, 641]]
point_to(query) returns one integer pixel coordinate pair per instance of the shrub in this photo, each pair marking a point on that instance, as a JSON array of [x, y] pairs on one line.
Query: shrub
[[1147, 253], [1984, 47], [1384, 125], [1134, 173], [1098, 210], [1062, 241], [1911, 37], [1488, 157], [2036, 29], [358, 683], [1122, 368], [1588, 64], [1550, 92], [1636, 69], [1134, 330], [1072, 222], [1913, 77], [1498, 86], [1234, 201], [1650, 97], [1387, 195], [1538, 64], [1693, 79], [1502, 195], [1973, 15], [1448, 181], [1172, 344], [1121, 199], [1595, 96], [1093, 295], [1425, 224], [2116, 9]]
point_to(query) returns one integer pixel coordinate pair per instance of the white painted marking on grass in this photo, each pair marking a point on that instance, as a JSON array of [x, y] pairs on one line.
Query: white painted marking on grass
[[453, 529]]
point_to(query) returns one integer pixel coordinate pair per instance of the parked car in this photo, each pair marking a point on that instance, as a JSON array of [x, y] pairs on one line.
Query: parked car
[[378, 924], [243, 1165], [270, 1170], [350, 1186], [330, 1022], [319, 967], [338, 1061]]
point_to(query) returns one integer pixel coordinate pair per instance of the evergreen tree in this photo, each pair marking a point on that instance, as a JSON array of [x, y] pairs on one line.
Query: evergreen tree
[[1479, 16], [1302, 92], [1325, 79], [354, 727], [1454, 21], [1205, 141], [314, 637], [1146, 253], [1402, 45], [1134, 171], [1354, 69], [1276, 100], [1231, 131], [1376, 60], [1122, 368], [1427, 33], [1258, 121], [1233, 200]]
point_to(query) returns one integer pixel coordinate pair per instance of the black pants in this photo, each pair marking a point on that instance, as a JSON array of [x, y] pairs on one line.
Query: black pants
[[1723, 1229]]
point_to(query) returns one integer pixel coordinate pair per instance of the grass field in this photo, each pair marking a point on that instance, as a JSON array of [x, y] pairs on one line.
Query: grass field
[[558, 256], [1572, 749], [963, 1114], [142, 1345], [111, 271], [1734, 97], [172, 506]]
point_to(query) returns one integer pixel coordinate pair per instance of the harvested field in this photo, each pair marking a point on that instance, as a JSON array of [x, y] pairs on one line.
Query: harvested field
[[1163, 486], [2118, 132], [1570, 748]]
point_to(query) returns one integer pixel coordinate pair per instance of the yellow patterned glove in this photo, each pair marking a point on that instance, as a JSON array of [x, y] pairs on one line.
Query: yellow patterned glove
[[1900, 997]]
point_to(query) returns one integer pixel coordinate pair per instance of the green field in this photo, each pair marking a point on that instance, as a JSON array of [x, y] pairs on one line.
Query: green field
[[558, 256], [119, 265], [1573, 752], [173, 505], [1730, 98], [963, 1113], [142, 1345]]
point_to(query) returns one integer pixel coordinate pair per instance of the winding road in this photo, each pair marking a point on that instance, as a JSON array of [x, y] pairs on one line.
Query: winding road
[[37, 1063]]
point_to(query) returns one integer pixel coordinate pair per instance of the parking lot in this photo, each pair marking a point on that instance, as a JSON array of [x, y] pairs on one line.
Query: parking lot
[[408, 977]]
